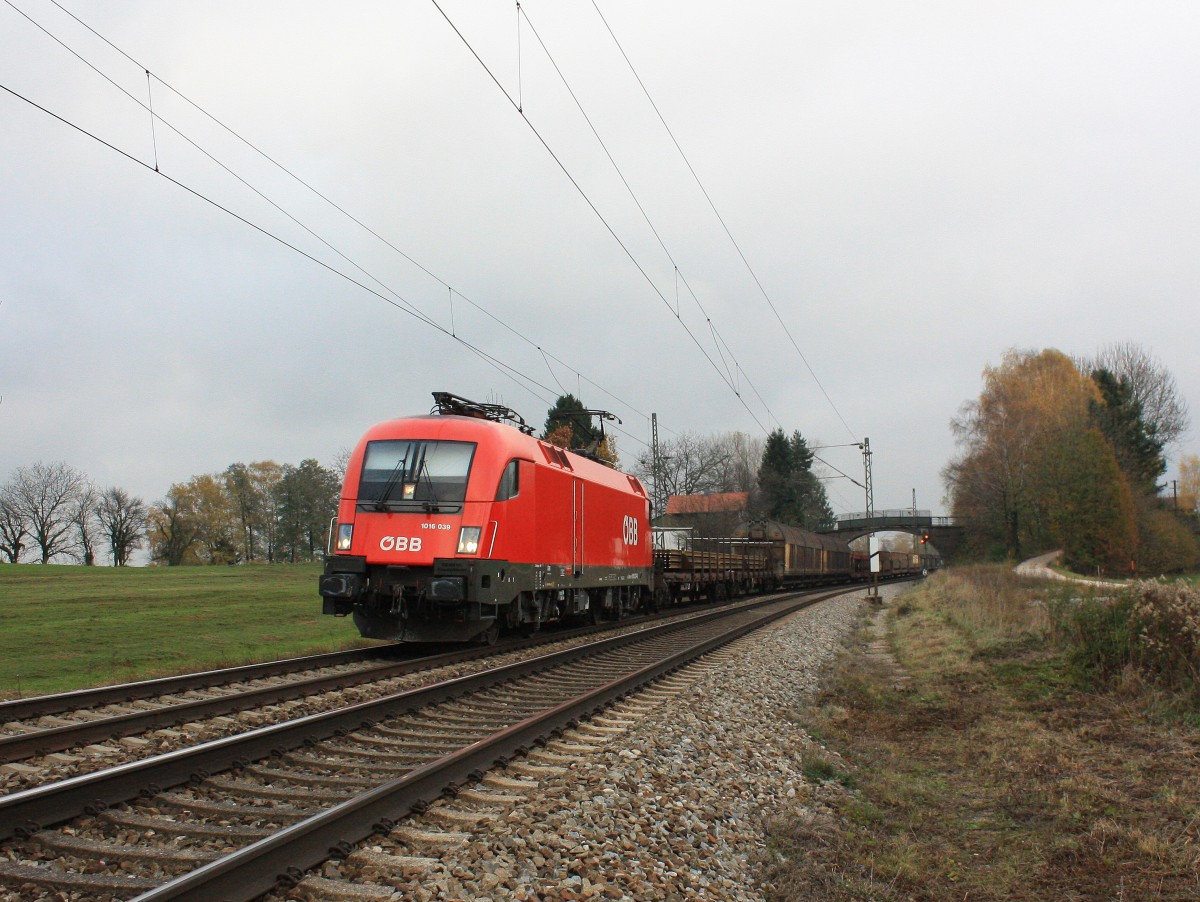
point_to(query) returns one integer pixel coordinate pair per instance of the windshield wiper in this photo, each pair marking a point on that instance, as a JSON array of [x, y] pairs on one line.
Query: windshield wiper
[[431, 506], [393, 480]]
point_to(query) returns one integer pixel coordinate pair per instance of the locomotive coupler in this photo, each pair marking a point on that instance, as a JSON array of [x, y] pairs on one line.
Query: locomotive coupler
[[342, 585]]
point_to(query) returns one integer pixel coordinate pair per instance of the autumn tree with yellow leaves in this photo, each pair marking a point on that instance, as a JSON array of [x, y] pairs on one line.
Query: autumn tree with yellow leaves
[[262, 511], [1052, 456], [1189, 483], [1034, 472]]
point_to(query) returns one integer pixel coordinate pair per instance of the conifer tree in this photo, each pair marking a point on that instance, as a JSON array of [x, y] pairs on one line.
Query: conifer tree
[[568, 413], [789, 490]]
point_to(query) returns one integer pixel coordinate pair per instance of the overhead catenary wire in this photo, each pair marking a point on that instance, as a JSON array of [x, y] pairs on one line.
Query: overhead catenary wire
[[153, 129], [721, 220], [407, 304], [336, 206], [587, 199], [733, 374], [506, 369], [510, 371], [728, 378], [718, 339]]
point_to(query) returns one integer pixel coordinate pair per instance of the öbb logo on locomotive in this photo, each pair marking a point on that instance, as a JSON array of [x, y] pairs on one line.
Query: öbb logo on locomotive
[[400, 543], [631, 530]]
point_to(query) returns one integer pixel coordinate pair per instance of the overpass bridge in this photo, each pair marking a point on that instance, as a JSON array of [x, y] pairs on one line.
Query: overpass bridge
[[943, 534]]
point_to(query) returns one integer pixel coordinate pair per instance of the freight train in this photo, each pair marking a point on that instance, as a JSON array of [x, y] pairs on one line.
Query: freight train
[[460, 524]]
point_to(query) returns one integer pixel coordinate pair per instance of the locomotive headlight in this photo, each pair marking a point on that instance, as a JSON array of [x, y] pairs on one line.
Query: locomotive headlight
[[468, 540], [345, 532]]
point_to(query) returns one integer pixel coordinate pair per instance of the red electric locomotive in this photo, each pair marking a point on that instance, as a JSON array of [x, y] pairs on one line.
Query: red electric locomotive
[[458, 523]]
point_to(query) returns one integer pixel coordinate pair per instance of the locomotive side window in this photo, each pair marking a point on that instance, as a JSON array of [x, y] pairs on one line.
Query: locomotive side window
[[410, 474], [510, 481]]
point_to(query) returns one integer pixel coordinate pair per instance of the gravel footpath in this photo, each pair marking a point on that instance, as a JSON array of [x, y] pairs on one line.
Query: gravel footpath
[[673, 808]]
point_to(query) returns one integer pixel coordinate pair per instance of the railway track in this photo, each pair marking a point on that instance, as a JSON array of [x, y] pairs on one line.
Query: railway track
[[224, 819], [50, 724], [54, 736]]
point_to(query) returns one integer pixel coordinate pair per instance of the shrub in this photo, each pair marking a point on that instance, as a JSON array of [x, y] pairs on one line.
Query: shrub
[[1153, 628], [1166, 543], [1097, 633], [819, 767], [1165, 622]]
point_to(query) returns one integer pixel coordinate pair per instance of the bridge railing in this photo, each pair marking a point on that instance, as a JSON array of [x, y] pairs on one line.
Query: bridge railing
[[887, 514], [882, 519]]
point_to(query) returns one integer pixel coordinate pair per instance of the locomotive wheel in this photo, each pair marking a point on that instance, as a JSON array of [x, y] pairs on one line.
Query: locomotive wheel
[[660, 599], [489, 635]]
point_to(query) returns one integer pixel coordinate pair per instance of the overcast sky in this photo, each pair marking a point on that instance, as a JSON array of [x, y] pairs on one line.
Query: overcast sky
[[917, 187]]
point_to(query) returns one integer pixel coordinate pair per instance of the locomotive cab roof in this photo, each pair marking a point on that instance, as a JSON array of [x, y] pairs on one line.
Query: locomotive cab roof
[[499, 441]]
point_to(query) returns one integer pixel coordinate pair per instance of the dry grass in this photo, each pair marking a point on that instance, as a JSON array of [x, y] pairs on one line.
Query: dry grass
[[996, 773]]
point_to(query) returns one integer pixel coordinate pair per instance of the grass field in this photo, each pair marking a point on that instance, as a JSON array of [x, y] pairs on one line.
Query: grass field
[[64, 627], [999, 770]]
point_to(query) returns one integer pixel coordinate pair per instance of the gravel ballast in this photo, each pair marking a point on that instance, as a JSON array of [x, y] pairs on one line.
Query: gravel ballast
[[672, 808]]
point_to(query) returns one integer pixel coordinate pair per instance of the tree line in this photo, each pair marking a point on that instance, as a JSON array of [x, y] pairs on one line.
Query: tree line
[[53, 511], [271, 512], [1063, 453], [262, 511]]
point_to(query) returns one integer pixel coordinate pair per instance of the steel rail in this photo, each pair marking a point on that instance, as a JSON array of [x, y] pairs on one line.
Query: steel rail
[[18, 746], [118, 693], [24, 812], [253, 870]]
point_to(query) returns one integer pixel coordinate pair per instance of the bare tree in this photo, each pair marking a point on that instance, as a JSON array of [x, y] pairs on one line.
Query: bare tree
[[14, 527], [740, 457], [122, 519], [690, 464], [341, 461], [46, 495], [1151, 384], [694, 464], [83, 516]]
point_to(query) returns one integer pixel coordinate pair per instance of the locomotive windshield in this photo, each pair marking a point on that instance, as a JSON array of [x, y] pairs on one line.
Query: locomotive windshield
[[415, 475]]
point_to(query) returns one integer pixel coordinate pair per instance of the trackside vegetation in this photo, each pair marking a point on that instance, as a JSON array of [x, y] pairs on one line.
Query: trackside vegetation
[[66, 627], [1041, 745]]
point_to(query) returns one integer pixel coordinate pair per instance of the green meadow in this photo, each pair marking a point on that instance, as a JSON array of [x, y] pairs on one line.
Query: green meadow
[[67, 627]]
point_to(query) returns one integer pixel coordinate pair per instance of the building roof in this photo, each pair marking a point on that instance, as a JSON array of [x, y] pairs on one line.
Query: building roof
[[718, 502]]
